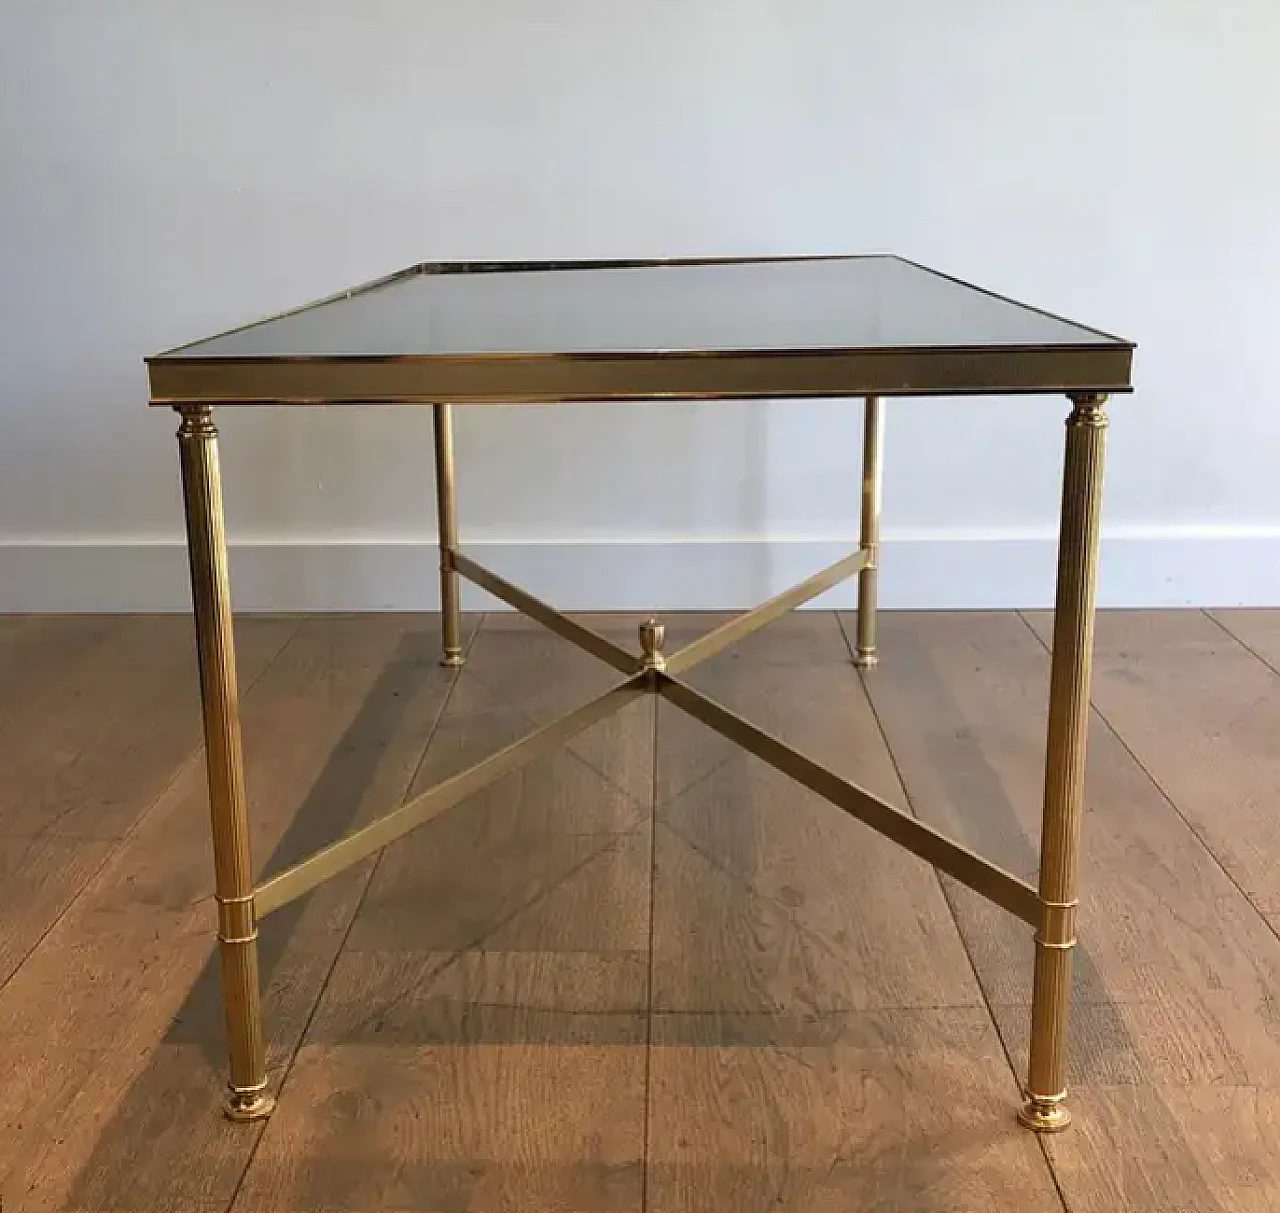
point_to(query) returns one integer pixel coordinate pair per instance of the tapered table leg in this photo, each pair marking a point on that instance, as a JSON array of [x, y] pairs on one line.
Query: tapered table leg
[[233, 870], [872, 481], [1045, 1109], [447, 516]]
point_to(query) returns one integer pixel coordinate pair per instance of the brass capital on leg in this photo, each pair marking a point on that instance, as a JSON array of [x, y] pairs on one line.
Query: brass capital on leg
[[219, 697], [1045, 1109], [447, 518], [872, 482]]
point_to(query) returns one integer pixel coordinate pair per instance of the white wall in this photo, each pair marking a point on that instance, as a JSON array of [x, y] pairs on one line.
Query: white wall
[[171, 169]]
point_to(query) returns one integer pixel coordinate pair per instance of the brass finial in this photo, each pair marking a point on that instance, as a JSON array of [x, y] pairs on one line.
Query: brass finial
[[652, 637]]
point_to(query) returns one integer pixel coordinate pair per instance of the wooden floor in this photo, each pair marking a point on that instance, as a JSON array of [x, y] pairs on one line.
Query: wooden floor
[[647, 972]]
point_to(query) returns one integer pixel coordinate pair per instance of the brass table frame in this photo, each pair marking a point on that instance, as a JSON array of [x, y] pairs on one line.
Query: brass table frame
[[1087, 375]]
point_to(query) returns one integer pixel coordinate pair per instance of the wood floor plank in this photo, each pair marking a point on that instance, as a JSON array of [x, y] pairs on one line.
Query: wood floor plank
[[886, 1111], [819, 1038], [555, 825], [766, 896], [497, 967], [96, 743], [554, 893], [1202, 715], [37, 651], [94, 746], [524, 676], [1259, 630], [964, 706], [39, 877], [335, 727], [1177, 975], [481, 997], [1210, 1142], [442, 1128]]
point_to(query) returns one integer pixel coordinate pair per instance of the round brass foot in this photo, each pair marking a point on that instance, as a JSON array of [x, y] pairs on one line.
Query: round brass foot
[[244, 1106], [452, 658], [866, 658], [1044, 1115]]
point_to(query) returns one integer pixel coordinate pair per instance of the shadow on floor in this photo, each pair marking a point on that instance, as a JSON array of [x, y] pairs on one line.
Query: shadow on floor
[[165, 1145]]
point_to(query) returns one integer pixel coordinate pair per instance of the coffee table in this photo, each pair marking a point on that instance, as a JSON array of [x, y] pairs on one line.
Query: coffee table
[[613, 332]]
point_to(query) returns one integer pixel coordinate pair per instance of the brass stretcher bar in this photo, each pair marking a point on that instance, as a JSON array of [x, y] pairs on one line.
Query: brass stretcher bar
[[483, 333]]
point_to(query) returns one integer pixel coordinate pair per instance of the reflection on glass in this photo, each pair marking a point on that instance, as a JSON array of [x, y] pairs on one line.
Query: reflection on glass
[[837, 303]]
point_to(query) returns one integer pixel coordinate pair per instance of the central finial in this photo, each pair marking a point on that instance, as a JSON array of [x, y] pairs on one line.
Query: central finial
[[652, 637]]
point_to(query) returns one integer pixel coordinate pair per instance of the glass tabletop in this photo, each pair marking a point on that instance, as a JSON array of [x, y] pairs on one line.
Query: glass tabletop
[[878, 302]]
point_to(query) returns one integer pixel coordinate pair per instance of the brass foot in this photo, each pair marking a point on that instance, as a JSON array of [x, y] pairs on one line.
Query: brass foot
[[866, 658], [244, 1106], [452, 658], [1045, 1115]]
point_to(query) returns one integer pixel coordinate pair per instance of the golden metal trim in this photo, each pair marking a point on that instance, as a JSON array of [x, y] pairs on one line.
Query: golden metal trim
[[653, 636], [1085, 372], [1057, 927], [872, 492], [293, 882], [447, 520], [985, 878], [1078, 543], [675, 375], [532, 267], [224, 762], [1045, 1113], [247, 1104], [549, 617], [707, 646], [237, 922], [444, 268]]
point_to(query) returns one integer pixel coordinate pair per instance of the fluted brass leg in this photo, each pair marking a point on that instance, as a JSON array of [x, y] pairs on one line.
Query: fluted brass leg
[[1045, 1109], [233, 871], [868, 579], [447, 516]]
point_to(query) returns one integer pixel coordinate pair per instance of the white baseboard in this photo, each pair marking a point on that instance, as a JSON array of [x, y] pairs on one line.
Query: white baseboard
[[1148, 568]]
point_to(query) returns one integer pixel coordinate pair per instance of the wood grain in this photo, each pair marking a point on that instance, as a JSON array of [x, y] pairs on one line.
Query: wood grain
[[39, 877], [893, 1110], [1201, 713], [482, 1041], [119, 1006], [807, 1031], [1177, 974], [94, 743], [766, 897], [1204, 1149], [438, 1129], [553, 828], [105, 714], [1258, 630], [39, 652], [819, 1038]]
